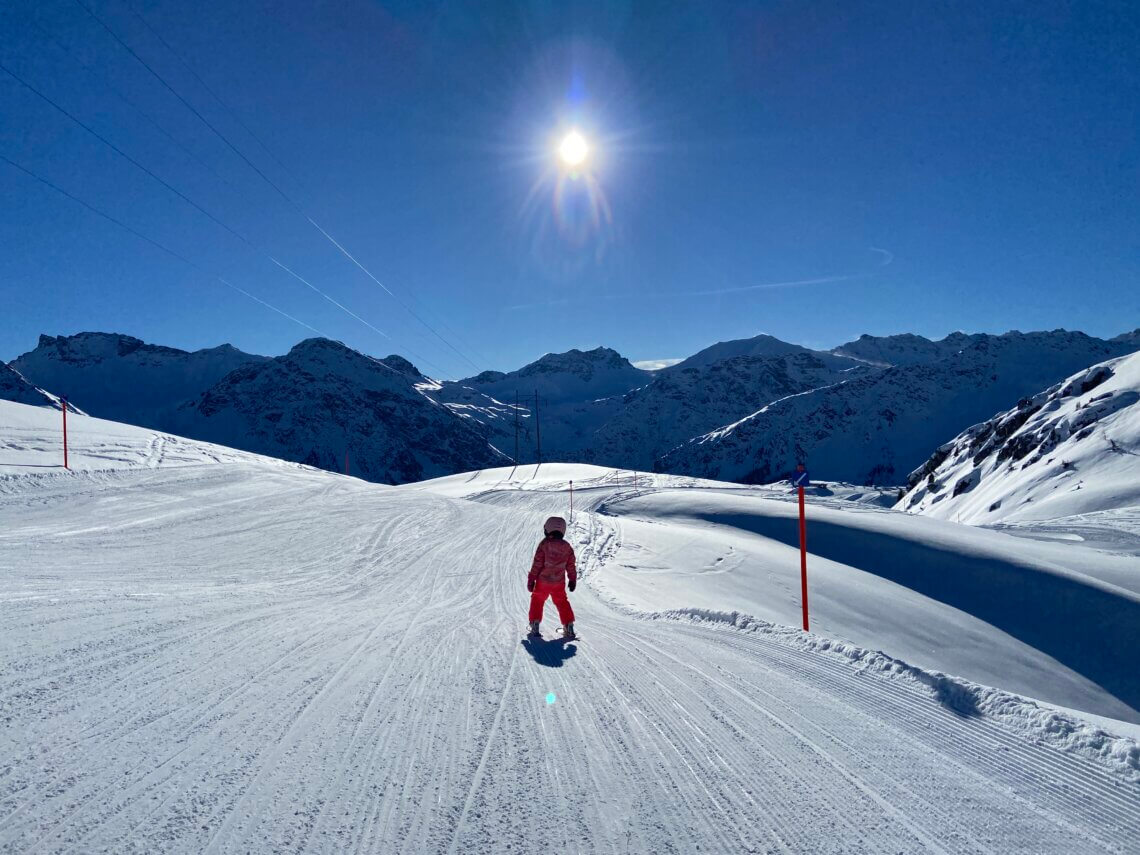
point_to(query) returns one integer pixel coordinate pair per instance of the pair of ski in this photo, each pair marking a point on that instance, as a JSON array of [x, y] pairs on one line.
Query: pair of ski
[[559, 636]]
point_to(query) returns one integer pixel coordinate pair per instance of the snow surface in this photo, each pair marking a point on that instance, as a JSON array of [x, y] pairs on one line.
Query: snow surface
[[31, 442], [251, 656], [978, 604], [654, 364]]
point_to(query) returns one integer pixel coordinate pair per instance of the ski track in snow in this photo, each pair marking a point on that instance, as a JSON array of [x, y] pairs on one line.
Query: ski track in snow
[[236, 658]]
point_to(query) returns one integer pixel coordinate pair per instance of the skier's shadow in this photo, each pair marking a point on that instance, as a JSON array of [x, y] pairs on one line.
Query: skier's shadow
[[551, 653]]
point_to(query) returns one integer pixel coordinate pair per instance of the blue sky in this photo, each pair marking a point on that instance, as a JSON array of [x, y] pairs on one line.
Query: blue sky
[[810, 170]]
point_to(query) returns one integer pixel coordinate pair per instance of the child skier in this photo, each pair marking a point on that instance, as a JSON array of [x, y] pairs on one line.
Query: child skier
[[553, 562]]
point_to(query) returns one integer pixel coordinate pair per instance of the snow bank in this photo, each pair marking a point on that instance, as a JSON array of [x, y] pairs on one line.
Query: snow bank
[[1028, 717], [950, 598]]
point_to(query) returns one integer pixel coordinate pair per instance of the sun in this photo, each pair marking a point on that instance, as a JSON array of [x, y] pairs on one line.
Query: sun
[[573, 149]]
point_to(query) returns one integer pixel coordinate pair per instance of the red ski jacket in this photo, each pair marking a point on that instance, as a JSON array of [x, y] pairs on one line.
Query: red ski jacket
[[553, 562]]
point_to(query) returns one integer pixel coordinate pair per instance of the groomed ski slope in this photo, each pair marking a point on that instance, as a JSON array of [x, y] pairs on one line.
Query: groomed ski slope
[[247, 656]]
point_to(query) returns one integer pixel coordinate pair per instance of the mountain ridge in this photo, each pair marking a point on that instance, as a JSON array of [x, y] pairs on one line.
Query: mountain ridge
[[873, 429], [592, 405]]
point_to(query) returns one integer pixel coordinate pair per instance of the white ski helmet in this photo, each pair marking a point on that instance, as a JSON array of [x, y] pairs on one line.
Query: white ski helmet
[[555, 524]]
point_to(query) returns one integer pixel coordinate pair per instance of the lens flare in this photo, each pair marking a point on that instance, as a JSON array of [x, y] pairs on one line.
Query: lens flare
[[566, 215], [581, 211], [550, 697]]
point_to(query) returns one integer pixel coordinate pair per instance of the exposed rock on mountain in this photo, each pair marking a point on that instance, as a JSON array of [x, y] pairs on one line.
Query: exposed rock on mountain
[[868, 412], [323, 399], [761, 347], [688, 400], [1132, 339], [578, 391], [876, 428], [575, 375], [124, 379], [1071, 449], [905, 349], [13, 387]]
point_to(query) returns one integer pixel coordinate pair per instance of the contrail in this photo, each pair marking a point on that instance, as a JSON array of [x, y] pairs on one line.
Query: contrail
[[795, 283], [888, 256], [765, 285]]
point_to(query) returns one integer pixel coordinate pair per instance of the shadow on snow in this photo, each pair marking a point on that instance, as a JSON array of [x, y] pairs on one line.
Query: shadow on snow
[[1083, 625], [549, 652]]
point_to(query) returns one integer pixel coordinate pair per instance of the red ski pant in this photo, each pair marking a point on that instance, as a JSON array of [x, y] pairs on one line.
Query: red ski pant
[[557, 592]]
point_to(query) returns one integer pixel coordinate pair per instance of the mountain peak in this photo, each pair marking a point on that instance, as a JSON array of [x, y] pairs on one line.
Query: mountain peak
[[221, 349], [762, 346], [576, 361], [123, 378], [337, 354], [97, 346]]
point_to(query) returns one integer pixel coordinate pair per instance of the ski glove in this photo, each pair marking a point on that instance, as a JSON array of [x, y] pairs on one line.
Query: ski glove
[[573, 584], [530, 585]]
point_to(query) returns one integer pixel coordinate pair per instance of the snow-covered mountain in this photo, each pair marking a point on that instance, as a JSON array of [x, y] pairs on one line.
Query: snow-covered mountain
[[1131, 339], [310, 406], [761, 346], [14, 387], [692, 398], [573, 376], [868, 412], [905, 349], [1071, 449], [578, 391], [124, 379], [873, 429], [323, 399]]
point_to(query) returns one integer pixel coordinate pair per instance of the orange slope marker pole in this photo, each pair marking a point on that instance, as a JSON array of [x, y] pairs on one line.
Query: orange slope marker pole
[[64, 402], [803, 559]]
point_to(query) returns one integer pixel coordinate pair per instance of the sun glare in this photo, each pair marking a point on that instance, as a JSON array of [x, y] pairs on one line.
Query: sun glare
[[573, 149]]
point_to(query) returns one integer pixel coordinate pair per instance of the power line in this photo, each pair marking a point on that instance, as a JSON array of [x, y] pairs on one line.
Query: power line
[[114, 91], [154, 243], [179, 256], [190, 201], [210, 91], [119, 151], [255, 168], [289, 172], [175, 93]]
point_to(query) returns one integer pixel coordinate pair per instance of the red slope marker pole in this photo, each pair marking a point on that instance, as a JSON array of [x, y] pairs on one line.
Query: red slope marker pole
[[803, 559], [64, 402], [346, 463]]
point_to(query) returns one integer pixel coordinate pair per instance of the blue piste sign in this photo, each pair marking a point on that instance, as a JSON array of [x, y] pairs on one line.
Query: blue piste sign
[[800, 479]]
